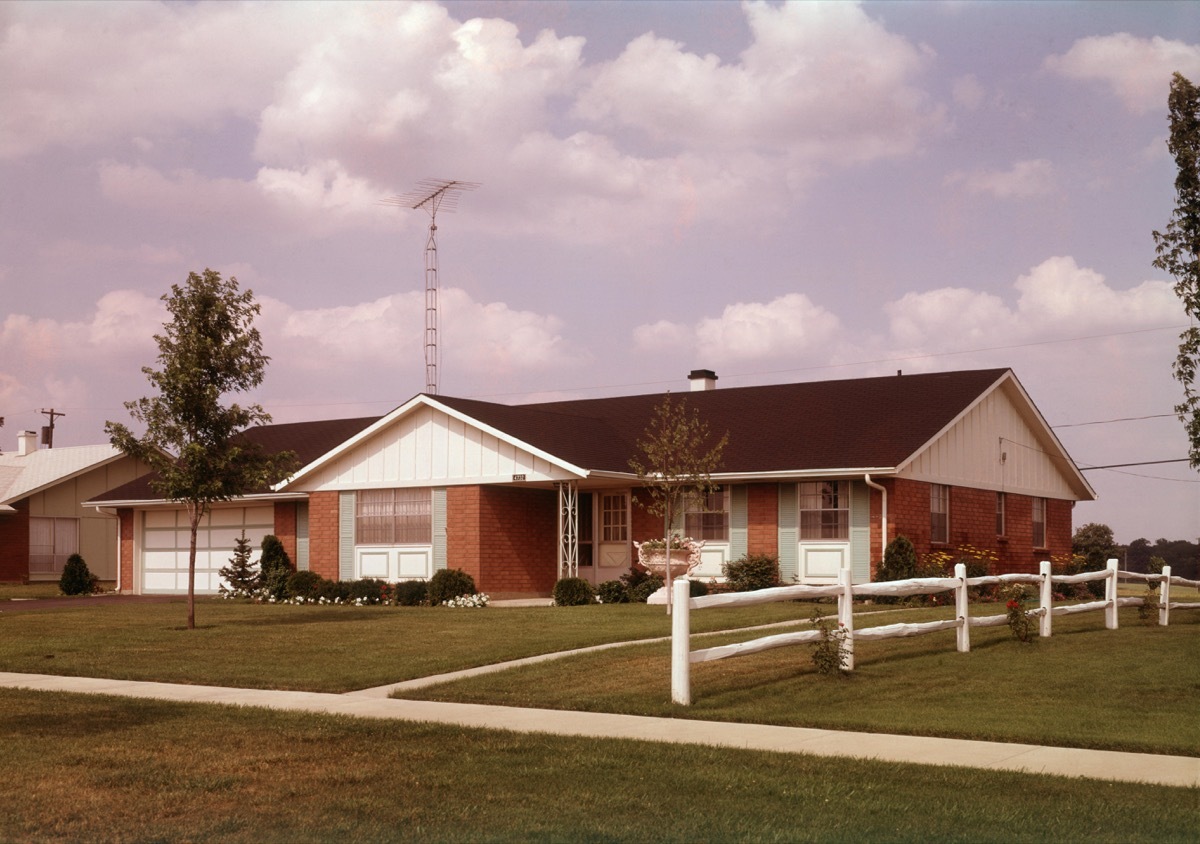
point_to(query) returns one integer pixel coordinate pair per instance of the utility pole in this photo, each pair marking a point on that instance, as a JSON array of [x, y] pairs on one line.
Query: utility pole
[[48, 431]]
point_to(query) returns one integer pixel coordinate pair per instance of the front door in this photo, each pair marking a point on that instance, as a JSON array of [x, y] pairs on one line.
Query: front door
[[613, 551]]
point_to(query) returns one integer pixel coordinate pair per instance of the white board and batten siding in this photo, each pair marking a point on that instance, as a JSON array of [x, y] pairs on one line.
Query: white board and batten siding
[[165, 539], [996, 446], [428, 448]]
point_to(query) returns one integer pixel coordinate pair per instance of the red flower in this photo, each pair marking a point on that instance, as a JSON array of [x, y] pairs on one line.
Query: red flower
[[1014, 605]]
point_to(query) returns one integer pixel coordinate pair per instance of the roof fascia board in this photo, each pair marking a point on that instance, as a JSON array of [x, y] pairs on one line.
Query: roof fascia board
[[146, 503], [423, 400], [773, 475]]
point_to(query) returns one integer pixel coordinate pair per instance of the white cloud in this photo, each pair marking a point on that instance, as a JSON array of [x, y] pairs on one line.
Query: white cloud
[[788, 325], [1137, 70], [1023, 180], [821, 82]]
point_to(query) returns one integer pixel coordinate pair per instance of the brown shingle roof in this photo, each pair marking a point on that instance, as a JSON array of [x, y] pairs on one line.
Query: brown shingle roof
[[856, 423], [308, 439]]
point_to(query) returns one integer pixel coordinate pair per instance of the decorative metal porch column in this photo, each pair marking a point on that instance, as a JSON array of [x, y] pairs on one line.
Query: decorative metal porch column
[[568, 529]]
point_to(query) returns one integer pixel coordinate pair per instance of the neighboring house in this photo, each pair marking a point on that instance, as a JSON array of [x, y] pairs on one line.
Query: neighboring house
[[821, 475], [42, 519]]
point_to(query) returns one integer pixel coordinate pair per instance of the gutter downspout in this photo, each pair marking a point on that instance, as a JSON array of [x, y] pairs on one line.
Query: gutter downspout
[[883, 522]]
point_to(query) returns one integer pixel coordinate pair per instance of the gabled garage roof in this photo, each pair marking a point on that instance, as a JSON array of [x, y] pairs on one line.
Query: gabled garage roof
[[23, 475]]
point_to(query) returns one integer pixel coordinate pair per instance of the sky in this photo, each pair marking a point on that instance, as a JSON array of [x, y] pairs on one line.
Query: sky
[[779, 193]]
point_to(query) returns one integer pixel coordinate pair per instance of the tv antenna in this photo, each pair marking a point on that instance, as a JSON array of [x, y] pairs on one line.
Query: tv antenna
[[432, 195]]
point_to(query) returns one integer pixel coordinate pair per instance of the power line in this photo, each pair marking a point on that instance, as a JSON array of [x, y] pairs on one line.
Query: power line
[[1143, 463], [1110, 421]]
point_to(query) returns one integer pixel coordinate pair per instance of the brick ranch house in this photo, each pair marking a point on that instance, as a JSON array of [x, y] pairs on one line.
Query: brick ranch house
[[821, 475]]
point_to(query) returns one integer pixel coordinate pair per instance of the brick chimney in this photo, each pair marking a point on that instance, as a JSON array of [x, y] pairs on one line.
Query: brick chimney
[[702, 379]]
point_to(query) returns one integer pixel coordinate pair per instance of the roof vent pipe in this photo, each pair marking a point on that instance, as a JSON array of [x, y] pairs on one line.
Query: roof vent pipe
[[702, 379], [26, 443]]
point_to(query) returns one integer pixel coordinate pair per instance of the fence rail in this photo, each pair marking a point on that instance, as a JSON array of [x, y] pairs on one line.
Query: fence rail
[[845, 591]]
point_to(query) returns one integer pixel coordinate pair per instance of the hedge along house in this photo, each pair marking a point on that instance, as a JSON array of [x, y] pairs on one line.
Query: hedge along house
[[819, 474], [42, 520]]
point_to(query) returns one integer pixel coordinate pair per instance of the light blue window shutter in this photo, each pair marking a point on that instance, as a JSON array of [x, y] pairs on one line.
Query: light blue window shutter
[[789, 534], [860, 531], [738, 521], [439, 528], [346, 536], [302, 536]]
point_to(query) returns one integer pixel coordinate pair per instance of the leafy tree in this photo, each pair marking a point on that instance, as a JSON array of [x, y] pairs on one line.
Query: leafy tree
[[208, 349], [1094, 542], [1178, 248], [676, 459]]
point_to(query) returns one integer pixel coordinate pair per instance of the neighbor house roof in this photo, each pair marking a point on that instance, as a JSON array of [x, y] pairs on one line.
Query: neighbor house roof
[[23, 475]]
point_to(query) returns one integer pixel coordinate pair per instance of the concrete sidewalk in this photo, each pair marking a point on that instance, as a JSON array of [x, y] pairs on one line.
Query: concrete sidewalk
[[1061, 761]]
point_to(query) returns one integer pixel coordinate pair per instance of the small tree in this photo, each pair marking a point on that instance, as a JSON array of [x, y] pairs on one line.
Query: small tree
[[676, 459], [77, 578], [1178, 248], [208, 349], [241, 575]]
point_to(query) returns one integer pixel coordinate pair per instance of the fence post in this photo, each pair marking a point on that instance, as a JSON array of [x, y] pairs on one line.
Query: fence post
[[1164, 597], [1045, 625], [846, 613], [1110, 596], [681, 681], [962, 609]]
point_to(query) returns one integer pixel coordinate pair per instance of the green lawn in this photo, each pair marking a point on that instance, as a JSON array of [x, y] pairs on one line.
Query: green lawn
[[91, 768], [1134, 688], [329, 649]]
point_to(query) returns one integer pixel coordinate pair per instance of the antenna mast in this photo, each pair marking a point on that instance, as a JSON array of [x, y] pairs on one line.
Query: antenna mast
[[433, 195]]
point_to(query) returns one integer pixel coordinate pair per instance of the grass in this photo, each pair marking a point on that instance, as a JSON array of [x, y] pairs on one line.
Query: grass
[[96, 768], [18, 591], [1133, 689], [327, 649]]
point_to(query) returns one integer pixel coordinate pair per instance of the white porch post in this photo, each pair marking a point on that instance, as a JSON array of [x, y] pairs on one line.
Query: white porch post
[[568, 529]]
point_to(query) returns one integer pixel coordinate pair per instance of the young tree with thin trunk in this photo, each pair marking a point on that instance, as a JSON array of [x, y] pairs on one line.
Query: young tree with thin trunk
[[209, 348], [675, 461], [1178, 247]]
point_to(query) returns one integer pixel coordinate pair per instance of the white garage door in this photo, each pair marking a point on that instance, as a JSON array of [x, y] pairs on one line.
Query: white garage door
[[165, 536]]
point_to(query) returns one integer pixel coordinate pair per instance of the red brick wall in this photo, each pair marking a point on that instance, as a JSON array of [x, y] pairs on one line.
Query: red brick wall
[[506, 538], [762, 524], [642, 525], [973, 522], [125, 554], [323, 534], [14, 544], [285, 527]]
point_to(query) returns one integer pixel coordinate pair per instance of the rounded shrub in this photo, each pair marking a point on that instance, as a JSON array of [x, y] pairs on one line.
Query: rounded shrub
[[411, 593], [76, 578], [697, 588], [645, 587], [573, 592], [369, 590], [613, 592], [751, 571], [899, 560], [334, 591], [303, 584], [449, 583]]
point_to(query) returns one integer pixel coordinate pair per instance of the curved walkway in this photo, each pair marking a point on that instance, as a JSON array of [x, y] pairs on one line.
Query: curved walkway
[[1062, 761]]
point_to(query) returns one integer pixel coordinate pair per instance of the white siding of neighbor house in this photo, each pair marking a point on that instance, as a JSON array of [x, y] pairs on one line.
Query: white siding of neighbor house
[[969, 453], [430, 448]]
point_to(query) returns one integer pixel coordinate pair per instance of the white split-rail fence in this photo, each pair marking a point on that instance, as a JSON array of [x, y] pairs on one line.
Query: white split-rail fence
[[845, 591]]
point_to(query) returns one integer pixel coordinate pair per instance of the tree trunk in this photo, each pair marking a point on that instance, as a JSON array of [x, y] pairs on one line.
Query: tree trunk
[[194, 518]]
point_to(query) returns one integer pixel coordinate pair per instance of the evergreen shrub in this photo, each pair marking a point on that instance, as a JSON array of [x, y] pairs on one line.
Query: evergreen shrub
[[77, 578], [411, 593], [240, 579], [641, 585], [573, 592], [370, 590], [612, 592], [304, 584], [751, 571], [275, 567], [449, 583]]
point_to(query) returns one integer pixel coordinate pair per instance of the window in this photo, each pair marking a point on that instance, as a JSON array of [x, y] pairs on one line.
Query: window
[[708, 519], [393, 517], [824, 510], [939, 513], [1000, 514], [51, 541], [614, 518], [1039, 523]]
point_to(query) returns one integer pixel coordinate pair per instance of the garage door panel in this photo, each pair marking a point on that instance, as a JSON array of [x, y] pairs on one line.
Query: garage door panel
[[222, 538], [160, 518]]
